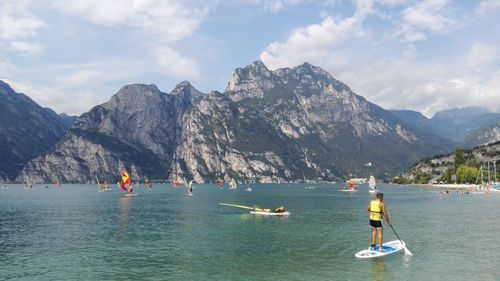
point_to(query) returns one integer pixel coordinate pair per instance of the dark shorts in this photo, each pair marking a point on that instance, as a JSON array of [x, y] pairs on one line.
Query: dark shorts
[[375, 224]]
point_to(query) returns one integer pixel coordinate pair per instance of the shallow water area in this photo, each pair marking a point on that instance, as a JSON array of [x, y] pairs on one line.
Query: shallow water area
[[77, 233]]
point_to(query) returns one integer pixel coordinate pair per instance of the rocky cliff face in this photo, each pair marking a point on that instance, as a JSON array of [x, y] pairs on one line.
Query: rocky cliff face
[[284, 125], [138, 128], [483, 135], [26, 131]]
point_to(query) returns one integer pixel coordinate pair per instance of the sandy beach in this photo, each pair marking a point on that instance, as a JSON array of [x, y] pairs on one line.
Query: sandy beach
[[452, 186]]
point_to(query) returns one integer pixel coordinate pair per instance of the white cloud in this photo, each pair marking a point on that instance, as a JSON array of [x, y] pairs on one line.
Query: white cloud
[[482, 54], [172, 20], [168, 20], [172, 63], [72, 103], [17, 25], [275, 6], [24, 47], [392, 80], [425, 17], [488, 7], [313, 42], [392, 2]]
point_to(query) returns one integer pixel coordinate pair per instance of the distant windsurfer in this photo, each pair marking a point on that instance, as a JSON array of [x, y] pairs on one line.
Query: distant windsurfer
[[190, 187], [352, 186], [377, 210], [126, 184], [148, 183]]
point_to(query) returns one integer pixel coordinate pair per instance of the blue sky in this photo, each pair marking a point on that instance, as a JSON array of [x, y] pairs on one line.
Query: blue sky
[[400, 54]]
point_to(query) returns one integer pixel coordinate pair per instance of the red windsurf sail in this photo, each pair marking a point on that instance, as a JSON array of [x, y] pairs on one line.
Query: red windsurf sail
[[125, 181]]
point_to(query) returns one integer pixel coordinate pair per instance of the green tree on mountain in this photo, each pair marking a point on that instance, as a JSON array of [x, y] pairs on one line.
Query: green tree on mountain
[[459, 157]]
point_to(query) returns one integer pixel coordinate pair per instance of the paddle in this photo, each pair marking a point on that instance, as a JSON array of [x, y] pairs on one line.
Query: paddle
[[407, 252]]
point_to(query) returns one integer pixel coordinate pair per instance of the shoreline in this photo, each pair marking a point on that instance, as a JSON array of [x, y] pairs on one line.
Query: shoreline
[[451, 186]]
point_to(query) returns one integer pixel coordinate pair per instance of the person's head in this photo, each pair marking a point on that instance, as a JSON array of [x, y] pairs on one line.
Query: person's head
[[380, 196]]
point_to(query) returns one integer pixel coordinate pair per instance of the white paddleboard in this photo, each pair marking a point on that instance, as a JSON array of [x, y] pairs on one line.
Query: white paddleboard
[[269, 213], [388, 248], [130, 194], [349, 190], [372, 191]]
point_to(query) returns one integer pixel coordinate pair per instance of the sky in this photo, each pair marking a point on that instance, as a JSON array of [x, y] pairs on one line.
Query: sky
[[425, 55]]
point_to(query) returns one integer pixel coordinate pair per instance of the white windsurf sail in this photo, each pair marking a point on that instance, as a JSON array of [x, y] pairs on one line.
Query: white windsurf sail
[[372, 183]]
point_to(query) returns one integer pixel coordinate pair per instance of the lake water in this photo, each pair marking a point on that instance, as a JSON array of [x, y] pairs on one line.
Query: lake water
[[77, 233]]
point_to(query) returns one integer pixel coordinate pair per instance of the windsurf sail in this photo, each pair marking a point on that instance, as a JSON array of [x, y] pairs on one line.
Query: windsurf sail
[[125, 183], [372, 183], [232, 184]]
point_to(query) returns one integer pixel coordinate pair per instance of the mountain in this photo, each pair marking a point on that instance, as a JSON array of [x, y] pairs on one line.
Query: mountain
[[68, 120], [483, 135], [418, 120], [456, 123], [26, 130], [434, 168], [138, 127], [284, 125]]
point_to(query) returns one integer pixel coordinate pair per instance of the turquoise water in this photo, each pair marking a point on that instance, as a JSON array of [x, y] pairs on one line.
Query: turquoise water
[[77, 233]]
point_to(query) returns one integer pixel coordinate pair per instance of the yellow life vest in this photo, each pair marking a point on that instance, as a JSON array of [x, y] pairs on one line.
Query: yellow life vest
[[375, 211]]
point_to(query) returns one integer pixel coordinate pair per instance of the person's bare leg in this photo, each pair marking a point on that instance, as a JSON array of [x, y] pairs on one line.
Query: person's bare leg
[[374, 233], [380, 237]]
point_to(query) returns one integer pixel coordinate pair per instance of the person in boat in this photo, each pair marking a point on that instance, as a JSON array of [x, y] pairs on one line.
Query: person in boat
[[267, 210], [280, 210], [377, 210]]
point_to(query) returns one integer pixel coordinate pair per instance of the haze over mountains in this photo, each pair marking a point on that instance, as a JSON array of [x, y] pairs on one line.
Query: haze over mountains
[[466, 127], [285, 125]]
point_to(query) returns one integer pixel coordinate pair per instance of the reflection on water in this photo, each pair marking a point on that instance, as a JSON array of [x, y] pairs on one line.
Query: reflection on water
[[407, 259], [123, 217], [378, 269]]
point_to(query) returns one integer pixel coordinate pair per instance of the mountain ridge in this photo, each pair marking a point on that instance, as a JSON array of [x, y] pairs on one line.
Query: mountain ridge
[[289, 124]]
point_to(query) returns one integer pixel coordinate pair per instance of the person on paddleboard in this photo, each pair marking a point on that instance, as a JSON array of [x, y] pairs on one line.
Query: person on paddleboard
[[377, 210]]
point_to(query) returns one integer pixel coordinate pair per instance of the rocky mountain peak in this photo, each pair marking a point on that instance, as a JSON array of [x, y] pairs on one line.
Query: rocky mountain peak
[[133, 96], [5, 88], [186, 91], [250, 82], [137, 89], [307, 68]]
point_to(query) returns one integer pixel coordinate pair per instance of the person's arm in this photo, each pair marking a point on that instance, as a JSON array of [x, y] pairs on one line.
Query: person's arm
[[384, 213], [368, 209]]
